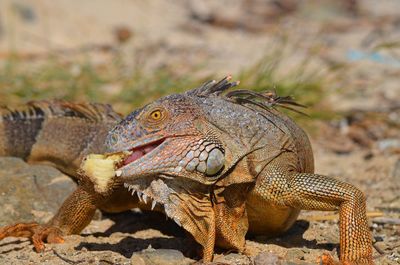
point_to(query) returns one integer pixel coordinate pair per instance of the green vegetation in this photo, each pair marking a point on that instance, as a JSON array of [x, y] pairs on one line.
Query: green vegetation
[[125, 90], [21, 82]]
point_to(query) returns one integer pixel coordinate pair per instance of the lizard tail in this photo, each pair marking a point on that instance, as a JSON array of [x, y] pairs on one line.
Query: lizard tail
[[53, 128]]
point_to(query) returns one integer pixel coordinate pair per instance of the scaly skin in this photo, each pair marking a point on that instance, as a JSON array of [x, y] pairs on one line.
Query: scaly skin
[[220, 166], [55, 132], [61, 134]]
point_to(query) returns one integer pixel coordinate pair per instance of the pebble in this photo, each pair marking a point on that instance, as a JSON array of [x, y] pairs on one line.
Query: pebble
[[294, 254], [267, 258], [389, 144], [232, 259], [160, 257]]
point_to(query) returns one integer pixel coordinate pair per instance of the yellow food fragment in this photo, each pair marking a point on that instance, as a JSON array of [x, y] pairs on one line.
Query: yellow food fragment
[[101, 169]]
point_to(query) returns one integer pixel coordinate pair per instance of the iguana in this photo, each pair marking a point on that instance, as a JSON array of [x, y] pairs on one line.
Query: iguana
[[221, 164]]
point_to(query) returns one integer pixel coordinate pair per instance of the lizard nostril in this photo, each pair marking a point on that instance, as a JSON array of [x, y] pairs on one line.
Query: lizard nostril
[[113, 139]]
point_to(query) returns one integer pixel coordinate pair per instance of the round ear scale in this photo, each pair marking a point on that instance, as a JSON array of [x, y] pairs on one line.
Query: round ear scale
[[215, 162], [206, 157]]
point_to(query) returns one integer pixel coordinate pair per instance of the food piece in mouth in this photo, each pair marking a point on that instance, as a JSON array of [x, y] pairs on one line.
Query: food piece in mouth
[[101, 169], [140, 151]]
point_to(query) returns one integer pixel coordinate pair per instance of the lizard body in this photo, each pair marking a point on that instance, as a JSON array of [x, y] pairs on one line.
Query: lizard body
[[61, 134], [55, 132], [220, 165]]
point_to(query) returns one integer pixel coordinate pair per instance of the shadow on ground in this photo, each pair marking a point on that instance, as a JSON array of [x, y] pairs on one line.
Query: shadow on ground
[[176, 238], [132, 222], [293, 238]]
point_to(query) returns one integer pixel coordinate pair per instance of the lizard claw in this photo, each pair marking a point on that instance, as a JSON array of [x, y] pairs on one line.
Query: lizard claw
[[327, 259], [37, 233]]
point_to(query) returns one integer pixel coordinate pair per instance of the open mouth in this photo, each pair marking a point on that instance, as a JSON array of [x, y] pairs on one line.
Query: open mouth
[[140, 151]]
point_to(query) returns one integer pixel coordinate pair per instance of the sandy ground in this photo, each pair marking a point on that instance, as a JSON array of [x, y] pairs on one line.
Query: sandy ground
[[362, 148]]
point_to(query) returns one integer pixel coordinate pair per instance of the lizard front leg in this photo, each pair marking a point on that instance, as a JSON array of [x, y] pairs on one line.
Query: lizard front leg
[[316, 192], [97, 188], [75, 214]]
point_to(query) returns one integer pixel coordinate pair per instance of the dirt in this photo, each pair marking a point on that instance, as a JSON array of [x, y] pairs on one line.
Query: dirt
[[362, 148]]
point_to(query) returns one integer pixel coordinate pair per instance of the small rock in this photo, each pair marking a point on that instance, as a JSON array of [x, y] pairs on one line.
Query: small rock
[[381, 245], [389, 144], [30, 193], [137, 260], [232, 259], [160, 257], [295, 254], [267, 258]]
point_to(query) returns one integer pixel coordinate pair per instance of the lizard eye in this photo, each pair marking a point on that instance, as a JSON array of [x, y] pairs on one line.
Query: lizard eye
[[154, 118], [156, 115]]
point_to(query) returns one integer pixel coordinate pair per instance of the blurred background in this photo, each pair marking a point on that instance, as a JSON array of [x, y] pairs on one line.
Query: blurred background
[[339, 57], [345, 53]]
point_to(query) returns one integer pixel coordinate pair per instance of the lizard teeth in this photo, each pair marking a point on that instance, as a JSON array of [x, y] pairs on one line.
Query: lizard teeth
[[129, 187], [177, 221], [139, 194], [126, 185], [118, 173], [144, 197]]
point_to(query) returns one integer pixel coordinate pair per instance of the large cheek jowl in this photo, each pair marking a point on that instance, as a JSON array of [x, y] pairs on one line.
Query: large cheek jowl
[[215, 162], [209, 161]]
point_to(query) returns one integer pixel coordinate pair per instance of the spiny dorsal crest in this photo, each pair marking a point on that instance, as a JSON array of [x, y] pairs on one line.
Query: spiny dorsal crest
[[57, 108], [212, 88], [266, 100]]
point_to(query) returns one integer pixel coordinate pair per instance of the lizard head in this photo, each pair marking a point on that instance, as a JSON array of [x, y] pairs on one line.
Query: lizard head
[[162, 138], [168, 137], [174, 158]]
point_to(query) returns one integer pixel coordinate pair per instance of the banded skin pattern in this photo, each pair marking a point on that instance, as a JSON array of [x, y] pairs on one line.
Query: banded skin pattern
[[221, 164]]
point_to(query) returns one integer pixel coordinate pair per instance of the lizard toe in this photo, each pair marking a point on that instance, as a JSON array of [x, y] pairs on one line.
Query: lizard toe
[[327, 259], [46, 234], [18, 230], [37, 233]]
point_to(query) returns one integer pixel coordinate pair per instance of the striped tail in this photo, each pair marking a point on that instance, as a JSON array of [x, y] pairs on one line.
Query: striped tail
[[56, 132]]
